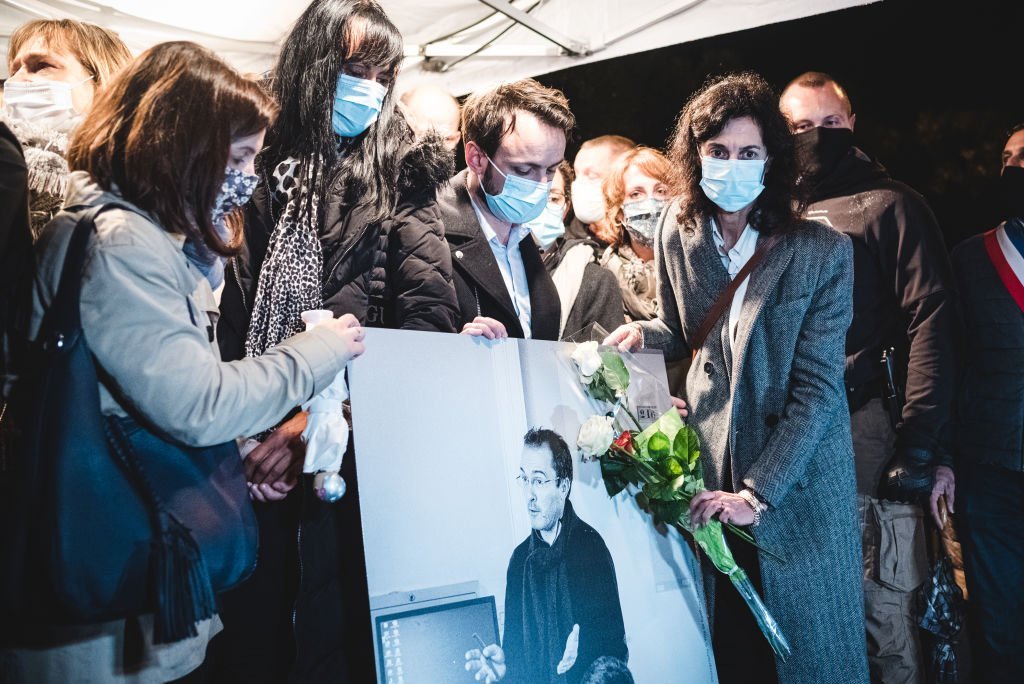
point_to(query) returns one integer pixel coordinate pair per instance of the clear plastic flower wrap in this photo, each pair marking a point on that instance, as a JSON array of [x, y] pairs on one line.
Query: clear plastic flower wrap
[[656, 458]]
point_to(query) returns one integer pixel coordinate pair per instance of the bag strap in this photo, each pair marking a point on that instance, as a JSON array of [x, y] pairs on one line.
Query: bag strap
[[65, 303], [725, 299]]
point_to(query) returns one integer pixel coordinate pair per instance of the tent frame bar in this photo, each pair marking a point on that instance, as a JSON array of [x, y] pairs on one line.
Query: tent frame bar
[[570, 45]]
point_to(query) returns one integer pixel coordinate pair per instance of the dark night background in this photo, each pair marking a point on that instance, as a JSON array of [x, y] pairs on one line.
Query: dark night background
[[935, 86]]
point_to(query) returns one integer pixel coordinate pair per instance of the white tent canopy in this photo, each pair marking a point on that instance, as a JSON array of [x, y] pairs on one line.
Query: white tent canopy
[[459, 44]]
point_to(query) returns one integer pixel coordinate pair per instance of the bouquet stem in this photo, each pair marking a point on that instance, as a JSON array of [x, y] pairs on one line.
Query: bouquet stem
[[769, 627]]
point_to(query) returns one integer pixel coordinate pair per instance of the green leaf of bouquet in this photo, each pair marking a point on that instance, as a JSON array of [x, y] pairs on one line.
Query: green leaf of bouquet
[[654, 491], [685, 445], [658, 446], [611, 466], [614, 371], [614, 484], [671, 511], [672, 468], [642, 501], [632, 476], [669, 423], [599, 390]]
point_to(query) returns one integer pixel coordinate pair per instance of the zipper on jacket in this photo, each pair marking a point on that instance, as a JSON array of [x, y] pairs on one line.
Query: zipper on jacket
[[238, 281]]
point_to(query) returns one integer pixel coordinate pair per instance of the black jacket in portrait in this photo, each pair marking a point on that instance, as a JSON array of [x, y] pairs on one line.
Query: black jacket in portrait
[[903, 293], [478, 283], [551, 588]]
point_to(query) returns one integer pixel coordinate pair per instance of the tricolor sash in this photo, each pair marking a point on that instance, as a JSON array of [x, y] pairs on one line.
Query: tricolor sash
[[1007, 255]]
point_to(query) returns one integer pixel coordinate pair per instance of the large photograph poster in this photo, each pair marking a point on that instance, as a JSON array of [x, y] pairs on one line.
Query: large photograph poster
[[475, 545]]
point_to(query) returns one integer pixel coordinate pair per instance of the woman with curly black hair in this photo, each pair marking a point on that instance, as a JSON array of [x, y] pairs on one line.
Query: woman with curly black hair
[[762, 299]]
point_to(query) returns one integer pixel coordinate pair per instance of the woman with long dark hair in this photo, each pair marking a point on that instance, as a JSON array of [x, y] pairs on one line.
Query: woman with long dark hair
[[343, 219], [173, 138], [765, 389]]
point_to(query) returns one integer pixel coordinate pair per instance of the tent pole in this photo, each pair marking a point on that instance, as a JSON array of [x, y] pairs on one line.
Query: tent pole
[[573, 47]]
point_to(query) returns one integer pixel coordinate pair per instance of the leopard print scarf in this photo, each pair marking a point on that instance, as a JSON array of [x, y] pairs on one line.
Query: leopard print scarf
[[291, 278]]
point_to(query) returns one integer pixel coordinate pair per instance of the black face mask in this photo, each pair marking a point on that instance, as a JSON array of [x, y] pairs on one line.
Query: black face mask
[[819, 151], [1011, 190]]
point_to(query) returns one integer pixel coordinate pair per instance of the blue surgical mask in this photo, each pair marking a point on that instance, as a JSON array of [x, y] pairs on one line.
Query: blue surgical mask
[[732, 184], [640, 217], [547, 227], [357, 103], [521, 199]]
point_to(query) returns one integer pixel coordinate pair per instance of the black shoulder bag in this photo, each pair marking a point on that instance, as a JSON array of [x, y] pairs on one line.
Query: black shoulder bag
[[107, 519]]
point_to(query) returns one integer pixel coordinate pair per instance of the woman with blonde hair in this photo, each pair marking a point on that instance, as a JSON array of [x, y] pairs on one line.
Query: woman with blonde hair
[[57, 68], [636, 191]]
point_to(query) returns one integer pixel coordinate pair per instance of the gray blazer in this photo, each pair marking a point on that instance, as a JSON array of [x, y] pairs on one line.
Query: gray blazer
[[771, 413]]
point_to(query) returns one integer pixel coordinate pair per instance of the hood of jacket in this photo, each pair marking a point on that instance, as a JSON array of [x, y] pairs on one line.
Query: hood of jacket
[[426, 167]]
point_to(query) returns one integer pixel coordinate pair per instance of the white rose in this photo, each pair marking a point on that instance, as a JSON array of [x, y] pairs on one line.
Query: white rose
[[596, 436], [587, 359]]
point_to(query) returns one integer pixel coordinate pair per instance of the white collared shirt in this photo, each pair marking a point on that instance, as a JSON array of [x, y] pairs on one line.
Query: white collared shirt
[[510, 262], [734, 260]]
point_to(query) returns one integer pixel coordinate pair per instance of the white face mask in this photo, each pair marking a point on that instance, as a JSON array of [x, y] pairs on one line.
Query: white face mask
[[588, 200], [43, 103]]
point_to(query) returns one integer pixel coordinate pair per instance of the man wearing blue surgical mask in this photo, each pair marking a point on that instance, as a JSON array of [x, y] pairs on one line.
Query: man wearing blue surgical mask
[[515, 136]]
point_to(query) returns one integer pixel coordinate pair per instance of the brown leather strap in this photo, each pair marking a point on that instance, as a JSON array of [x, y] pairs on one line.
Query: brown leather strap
[[724, 299]]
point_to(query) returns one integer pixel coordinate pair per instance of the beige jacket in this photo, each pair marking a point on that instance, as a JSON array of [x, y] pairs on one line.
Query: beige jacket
[[149, 318]]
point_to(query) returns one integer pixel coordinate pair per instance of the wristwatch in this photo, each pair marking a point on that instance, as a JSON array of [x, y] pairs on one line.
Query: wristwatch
[[755, 503]]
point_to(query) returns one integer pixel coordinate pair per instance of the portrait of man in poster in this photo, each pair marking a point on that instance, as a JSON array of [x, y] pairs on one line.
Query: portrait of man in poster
[[562, 608]]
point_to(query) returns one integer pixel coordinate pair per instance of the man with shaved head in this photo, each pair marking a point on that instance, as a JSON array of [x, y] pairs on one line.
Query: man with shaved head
[[428, 107], [902, 301], [593, 162]]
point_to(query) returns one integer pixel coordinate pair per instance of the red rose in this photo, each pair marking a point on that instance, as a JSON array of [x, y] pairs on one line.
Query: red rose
[[624, 443]]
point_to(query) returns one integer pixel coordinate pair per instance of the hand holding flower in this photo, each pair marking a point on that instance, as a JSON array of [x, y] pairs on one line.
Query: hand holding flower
[[729, 507]]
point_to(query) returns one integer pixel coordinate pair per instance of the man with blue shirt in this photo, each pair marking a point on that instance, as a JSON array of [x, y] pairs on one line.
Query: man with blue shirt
[[515, 137]]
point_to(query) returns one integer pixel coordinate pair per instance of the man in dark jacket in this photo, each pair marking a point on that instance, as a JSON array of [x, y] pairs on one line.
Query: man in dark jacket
[[515, 137], [902, 300], [562, 609], [990, 428]]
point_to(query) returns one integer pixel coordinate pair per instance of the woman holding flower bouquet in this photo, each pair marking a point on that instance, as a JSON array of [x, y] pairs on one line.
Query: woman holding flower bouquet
[[761, 300]]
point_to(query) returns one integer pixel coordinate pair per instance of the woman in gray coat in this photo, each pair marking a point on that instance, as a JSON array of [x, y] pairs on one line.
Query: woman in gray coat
[[765, 389]]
